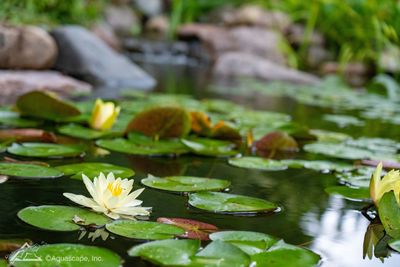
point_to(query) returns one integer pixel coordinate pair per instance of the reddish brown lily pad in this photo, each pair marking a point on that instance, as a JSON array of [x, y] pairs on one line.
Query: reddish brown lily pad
[[276, 142], [161, 122], [194, 229], [27, 135], [223, 131], [10, 245], [201, 123]]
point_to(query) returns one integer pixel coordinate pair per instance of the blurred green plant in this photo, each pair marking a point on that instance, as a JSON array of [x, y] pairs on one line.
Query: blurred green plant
[[50, 12]]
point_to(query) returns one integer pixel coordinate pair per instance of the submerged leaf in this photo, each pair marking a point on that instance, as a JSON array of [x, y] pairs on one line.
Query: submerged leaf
[[27, 135], [210, 147]]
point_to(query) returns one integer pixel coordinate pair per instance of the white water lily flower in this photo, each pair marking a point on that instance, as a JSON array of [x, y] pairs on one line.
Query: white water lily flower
[[112, 197]]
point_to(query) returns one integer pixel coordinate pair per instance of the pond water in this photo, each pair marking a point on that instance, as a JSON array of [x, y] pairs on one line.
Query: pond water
[[330, 225]]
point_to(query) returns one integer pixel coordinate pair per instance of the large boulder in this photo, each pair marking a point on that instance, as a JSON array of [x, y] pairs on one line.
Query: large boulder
[[252, 15], [217, 40], [239, 64], [15, 83], [149, 8], [26, 47], [257, 41], [84, 55], [121, 18]]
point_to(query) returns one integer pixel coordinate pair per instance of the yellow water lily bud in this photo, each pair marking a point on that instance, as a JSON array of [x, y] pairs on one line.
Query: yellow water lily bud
[[104, 115], [390, 182]]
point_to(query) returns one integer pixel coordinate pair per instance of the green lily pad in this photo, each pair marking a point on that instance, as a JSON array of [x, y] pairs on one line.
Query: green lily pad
[[389, 213], [210, 147], [259, 163], [329, 136], [3, 147], [185, 183], [45, 150], [93, 169], [62, 255], [156, 148], [45, 105], [12, 119], [28, 170], [349, 192], [282, 254], [395, 244], [229, 203], [144, 230], [344, 120], [221, 254], [340, 150], [360, 177], [250, 242], [3, 263], [59, 218], [167, 252], [320, 165], [79, 131]]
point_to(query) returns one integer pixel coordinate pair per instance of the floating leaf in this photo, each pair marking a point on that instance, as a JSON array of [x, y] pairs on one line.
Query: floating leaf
[[144, 230], [79, 131], [26, 135], [167, 252], [162, 122], [224, 131], [221, 254], [282, 254], [275, 142], [185, 183], [339, 150], [250, 242], [93, 169], [44, 150], [3, 147], [201, 123], [389, 213], [329, 136], [59, 218], [344, 120], [28, 170], [259, 163], [12, 119], [45, 105], [61, 255], [360, 177], [210, 147], [395, 244], [229, 203], [156, 148], [349, 192], [193, 229]]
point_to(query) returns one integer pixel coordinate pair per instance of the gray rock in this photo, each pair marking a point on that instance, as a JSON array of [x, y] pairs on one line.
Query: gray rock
[[296, 34], [355, 73], [389, 59], [26, 47], [157, 26], [15, 83], [258, 41], [107, 35], [121, 18], [84, 55], [253, 15], [239, 64], [149, 8]]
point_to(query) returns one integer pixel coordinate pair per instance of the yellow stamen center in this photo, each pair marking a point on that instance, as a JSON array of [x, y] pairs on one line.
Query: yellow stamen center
[[115, 188]]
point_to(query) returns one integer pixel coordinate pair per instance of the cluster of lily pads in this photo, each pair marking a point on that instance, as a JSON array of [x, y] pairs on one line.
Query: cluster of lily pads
[[174, 125]]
